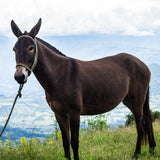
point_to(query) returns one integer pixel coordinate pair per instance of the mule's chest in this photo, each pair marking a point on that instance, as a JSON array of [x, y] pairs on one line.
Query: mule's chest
[[58, 107]]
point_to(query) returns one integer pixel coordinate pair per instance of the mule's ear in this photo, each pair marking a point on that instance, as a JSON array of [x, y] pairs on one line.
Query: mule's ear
[[17, 32], [35, 29]]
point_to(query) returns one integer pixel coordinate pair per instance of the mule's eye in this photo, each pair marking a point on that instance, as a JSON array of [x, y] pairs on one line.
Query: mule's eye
[[14, 49], [31, 48]]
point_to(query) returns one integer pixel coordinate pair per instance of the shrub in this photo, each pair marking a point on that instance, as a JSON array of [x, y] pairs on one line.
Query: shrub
[[155, 115], [97, 122], [131, 120]]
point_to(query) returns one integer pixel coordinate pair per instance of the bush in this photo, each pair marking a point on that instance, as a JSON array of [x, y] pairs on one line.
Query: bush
[[131, 120], [97, 122], [155, 115]]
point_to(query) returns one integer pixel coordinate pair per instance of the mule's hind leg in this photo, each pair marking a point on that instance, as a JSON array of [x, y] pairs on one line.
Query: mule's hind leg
[[137, 110], [140, 131], [63, 122]]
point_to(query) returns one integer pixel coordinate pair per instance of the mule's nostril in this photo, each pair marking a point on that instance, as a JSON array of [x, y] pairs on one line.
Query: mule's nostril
[[20, 79]]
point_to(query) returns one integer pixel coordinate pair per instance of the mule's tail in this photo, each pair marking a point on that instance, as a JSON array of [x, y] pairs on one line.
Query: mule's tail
[[147, 123]]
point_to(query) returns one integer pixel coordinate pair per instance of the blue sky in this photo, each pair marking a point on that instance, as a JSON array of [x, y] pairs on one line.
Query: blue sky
[[76, 17]]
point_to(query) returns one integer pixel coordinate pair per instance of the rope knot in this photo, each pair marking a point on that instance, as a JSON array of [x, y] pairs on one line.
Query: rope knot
[[19, 91], [19, 94]]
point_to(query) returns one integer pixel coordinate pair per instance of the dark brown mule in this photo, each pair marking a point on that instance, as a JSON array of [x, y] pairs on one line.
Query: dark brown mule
[[75, 87]]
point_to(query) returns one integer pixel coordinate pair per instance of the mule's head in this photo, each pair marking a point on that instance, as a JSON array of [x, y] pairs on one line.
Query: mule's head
[[25, 51]]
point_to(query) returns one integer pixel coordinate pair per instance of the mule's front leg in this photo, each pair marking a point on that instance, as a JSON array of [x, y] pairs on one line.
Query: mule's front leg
[[74, 124], [63, 122]]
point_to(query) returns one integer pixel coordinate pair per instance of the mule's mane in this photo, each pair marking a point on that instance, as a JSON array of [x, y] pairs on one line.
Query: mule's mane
[[50, 47]]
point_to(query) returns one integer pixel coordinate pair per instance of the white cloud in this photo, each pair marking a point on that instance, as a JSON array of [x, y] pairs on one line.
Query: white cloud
[[65, 17]]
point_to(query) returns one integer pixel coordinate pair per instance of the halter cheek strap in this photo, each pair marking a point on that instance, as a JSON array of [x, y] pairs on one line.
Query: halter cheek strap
[[36, 55]]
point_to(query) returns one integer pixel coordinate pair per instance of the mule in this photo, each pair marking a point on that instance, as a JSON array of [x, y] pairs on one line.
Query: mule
[[74, 87]]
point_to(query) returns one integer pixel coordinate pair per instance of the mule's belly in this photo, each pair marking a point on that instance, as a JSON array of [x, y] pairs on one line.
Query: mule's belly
[[104, 98], [101, 104], [95, 109]]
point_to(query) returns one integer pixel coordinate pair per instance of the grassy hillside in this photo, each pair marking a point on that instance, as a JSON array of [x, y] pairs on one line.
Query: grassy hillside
[[101, 144]]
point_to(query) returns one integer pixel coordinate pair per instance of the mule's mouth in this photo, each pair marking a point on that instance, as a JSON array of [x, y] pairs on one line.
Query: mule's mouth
[[21, 75]]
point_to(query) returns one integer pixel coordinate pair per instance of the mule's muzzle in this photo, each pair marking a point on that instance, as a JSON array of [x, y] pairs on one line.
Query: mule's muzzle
[[21, 75], [20, 78]]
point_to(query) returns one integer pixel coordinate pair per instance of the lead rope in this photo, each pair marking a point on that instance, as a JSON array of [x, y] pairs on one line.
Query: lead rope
[[18, 95], [21, 85]]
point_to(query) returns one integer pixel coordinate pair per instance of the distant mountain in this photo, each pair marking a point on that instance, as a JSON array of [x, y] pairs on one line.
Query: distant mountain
[[155, 86], [16, 133], [32, 115]]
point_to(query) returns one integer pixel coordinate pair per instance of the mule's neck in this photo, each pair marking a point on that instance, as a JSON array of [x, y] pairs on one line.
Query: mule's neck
[[50, 67]]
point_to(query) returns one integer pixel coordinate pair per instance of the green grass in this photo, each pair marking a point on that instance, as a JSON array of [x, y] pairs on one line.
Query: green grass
[[101, 144]]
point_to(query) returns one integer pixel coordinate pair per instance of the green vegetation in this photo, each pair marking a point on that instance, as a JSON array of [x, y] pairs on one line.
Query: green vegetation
[[96, 143], [97, 122], [130, 117]]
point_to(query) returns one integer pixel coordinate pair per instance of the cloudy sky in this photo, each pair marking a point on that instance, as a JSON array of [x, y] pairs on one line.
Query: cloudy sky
[[80, 17], [75, 17]]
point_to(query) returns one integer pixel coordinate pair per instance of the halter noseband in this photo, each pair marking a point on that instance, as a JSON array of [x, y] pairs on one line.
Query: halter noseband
[[36, 55]]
